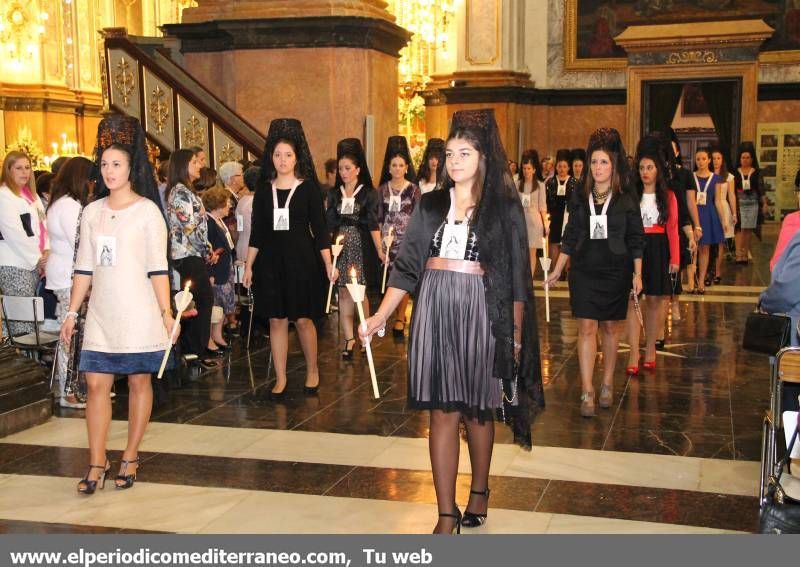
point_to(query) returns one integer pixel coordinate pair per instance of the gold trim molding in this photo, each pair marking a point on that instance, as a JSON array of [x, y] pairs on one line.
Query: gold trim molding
[[498, 24]]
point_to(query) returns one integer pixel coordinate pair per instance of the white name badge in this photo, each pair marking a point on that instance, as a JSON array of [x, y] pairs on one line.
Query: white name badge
[[280, 219], [454, 241], [394, 203], [746, 184], [598, 224], [526, 201], [239, 222], [562, 190], [106, 253], [348, 205], [598, 227], [701, 197], [647, 220]]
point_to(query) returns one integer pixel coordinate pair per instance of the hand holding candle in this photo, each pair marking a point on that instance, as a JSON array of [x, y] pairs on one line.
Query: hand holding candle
[[182, 301], [336, 250], [357, 293], [387, 240]]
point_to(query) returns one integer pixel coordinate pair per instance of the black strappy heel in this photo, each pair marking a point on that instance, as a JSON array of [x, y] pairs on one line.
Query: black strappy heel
[[128, 478], [457, 515], [347, 353], [88, 487], [472, 520]]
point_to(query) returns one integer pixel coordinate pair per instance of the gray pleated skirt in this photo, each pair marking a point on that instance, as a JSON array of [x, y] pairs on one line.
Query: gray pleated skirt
[[451, 351]]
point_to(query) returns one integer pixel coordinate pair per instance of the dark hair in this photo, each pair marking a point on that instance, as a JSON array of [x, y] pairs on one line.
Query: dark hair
[[364, 178], [57, 164], [386, 175], [44, 183], [473, 138], [661, 182], [196, 150], [747, 147], [431, 150], [268, 170], [178, 170], [73, 181], [531, 157], [723, 171], [330, 165], [163, 171], [706, 150], [251, 176], [207, 179], [616, 178]]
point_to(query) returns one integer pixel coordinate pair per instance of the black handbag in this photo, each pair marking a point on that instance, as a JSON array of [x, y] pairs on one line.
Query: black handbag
[[766, 333], [779, 513]]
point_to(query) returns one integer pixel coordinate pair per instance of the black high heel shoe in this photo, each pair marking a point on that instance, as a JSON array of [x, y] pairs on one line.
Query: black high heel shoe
[[86, 486], [472, 520], [457, 515], [347, 353], [128, 479]]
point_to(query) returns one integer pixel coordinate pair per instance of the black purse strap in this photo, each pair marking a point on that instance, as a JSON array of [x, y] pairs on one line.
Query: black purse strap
[[787, 455]]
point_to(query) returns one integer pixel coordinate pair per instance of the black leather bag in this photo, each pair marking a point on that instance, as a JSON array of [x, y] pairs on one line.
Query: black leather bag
[[779, 514], [766, 333]]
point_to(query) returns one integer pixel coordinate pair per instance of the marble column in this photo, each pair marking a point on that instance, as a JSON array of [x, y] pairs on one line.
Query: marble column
[[331, 64]]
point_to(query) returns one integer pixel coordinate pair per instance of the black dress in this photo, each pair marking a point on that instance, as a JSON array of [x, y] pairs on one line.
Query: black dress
[[556, 205], [359, 249], [601, 272], [288, 275]]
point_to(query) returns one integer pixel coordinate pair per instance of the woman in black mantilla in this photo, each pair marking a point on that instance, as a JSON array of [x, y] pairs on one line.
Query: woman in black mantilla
[[474, 350], [399, 195], [605, 264], [353, 210], [430, 171], [289, 243], [559, 189]]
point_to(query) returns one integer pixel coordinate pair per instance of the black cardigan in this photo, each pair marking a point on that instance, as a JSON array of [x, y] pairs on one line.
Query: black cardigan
[[426, 219], [625, 229]]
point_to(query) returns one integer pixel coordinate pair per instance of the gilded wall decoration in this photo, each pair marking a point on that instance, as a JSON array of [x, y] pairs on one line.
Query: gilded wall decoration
[[160, 116], [193, 126], [123, 74], [225, 147], [695, 56], [483, 32]]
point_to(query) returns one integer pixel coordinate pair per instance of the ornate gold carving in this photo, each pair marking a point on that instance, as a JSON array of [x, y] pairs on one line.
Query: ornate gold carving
[[194, 134], [104, 81], [698, 56], [159, 109], [228, 152], [124, 80]]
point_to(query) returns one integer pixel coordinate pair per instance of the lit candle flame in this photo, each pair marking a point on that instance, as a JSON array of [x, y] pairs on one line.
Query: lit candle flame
[[339, 239], [353, 276]]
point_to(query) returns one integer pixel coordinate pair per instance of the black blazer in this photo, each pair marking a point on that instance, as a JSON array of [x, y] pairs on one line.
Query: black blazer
[[428, 215], [625, 229]]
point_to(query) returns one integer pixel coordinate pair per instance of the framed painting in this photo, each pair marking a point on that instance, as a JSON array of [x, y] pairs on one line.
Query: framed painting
[[590, 26]]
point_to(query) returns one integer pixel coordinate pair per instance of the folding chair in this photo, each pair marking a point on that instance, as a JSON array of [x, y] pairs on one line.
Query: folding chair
[[786, 368], [28, 310]]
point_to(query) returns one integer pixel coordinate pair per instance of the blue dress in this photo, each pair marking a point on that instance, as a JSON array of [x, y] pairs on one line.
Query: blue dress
[[709, 217]]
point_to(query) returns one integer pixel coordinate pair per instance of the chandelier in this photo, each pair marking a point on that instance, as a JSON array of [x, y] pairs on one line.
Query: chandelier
[[20, 31], [429, 21]]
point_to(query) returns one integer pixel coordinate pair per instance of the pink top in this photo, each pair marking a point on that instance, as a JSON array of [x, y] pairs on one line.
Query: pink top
[[790, 226], [27, 194]]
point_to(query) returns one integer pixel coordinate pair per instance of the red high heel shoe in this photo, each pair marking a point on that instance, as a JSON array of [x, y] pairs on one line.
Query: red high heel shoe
[[649, 364], [632, 370]]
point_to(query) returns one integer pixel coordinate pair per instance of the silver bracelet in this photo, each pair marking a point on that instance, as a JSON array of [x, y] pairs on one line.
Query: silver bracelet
[[71, 314]]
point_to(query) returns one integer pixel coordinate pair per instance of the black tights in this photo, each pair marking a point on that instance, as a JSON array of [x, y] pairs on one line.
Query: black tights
[[443, 444]]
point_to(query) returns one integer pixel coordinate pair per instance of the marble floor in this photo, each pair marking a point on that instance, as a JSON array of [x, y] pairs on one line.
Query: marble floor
[[677, 453]]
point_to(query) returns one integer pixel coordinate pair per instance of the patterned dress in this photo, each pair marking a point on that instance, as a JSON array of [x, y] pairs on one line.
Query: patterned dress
[[397, 220]]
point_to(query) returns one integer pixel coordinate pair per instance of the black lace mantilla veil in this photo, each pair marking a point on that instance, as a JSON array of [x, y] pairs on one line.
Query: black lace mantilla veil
[[289, 129], [396, 146], [497, 235], [127, 131], [435, 147]]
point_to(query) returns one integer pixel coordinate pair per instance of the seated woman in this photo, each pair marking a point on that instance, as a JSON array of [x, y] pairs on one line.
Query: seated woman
[[783, 296]]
